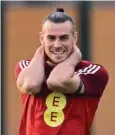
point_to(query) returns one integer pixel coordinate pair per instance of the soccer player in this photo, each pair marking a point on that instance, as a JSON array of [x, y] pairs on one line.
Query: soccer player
[[60, 91]]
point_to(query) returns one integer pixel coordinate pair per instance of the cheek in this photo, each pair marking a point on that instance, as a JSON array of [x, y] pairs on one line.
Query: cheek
[[46, 48], [70, 46]]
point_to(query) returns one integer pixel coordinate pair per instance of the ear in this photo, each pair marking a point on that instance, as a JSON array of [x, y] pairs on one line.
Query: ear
[[75, 38], [41, 38]]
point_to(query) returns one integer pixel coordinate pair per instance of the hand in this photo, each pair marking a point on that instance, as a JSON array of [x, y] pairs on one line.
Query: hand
[[31, 78], [74, 57], [50, 63], [40, 50], [76, 52], [39, 55]]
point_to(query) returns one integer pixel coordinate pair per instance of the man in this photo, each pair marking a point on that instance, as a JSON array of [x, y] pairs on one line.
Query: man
[[60, 91]]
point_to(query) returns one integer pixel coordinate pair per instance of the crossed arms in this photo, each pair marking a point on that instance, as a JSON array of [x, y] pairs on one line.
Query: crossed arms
[[61, 78]]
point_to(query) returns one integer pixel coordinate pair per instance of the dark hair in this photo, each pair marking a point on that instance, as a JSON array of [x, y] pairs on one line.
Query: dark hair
[[59, 16]]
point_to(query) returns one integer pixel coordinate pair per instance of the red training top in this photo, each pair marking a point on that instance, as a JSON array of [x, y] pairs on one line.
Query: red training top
[[53, 113]]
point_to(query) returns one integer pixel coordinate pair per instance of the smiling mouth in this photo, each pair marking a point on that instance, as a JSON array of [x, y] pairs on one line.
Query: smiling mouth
[[58, 53]]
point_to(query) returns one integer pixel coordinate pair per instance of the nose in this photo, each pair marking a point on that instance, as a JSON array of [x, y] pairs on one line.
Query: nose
[[57, 44]]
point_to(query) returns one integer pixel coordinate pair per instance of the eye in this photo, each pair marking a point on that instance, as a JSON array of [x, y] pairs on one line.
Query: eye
[[51, 38], [64, 37]]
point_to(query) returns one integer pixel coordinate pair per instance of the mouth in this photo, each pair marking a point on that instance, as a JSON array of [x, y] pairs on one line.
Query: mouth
[[58, 52]]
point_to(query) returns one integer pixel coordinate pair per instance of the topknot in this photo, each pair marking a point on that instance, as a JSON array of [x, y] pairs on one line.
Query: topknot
[[60, 10]]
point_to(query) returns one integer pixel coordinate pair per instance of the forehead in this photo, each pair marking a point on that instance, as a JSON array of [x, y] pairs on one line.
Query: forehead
[[50, 28]]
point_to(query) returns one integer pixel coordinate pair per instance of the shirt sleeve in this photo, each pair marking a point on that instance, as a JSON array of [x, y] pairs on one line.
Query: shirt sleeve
[[94, 78], [20, 66]]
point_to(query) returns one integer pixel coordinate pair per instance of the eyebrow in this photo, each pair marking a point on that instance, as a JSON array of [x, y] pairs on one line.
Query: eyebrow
[[62, 36], [65, 35], [50, 35]]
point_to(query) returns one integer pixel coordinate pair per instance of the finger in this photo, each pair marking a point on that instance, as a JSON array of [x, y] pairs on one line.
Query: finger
[[40, 49], [50, 64], [79, 52]]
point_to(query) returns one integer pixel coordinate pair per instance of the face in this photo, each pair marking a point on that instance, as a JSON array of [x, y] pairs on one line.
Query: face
[[58, 40]]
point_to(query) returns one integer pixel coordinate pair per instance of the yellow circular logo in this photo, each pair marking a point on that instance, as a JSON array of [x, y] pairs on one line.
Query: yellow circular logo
[[55, 102]]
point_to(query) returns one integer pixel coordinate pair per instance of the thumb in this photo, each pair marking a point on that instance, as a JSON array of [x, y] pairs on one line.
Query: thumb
[[50, 64]]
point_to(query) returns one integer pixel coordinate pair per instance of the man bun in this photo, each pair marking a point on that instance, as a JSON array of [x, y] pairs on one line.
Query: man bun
[[60, 10]]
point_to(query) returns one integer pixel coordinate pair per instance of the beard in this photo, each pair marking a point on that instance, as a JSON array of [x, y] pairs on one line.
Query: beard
[[53, 63], [49, 61]]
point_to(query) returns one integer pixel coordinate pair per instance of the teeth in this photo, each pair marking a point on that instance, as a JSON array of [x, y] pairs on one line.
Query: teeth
[[58, 52]]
